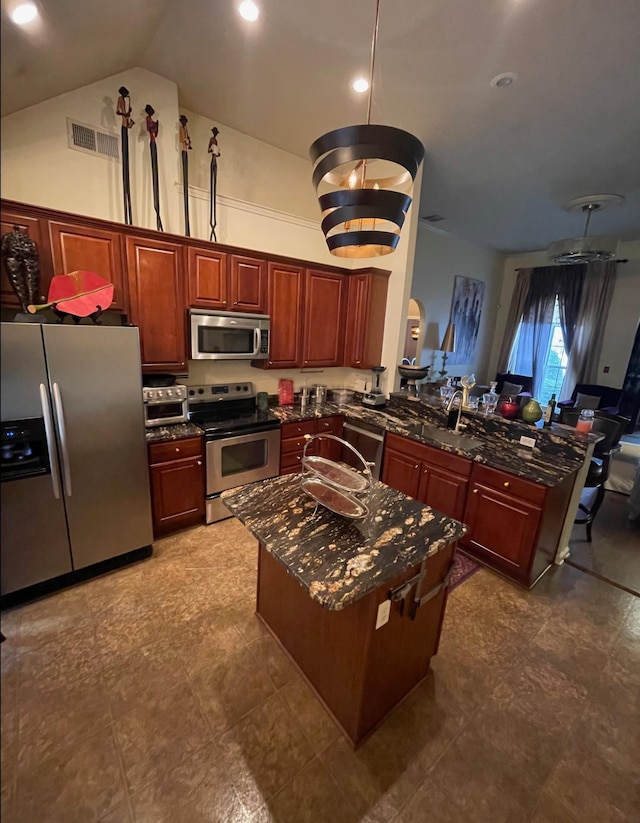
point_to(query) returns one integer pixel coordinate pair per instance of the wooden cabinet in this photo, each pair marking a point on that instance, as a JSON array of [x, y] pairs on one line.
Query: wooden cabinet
[[428, 474], [284, 306], [208, 279], [294, 440], [248, 284], [366, 309], [323, 318], [32, 226], [177, 484], [156, 292], [515, 525], [80, 248]]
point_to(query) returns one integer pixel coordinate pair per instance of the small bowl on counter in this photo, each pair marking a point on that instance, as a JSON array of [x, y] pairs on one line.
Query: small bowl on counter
[[342, 396]]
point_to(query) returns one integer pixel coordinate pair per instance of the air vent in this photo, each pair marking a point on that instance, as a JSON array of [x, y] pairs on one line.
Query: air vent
[[433, 218], [91, 140]]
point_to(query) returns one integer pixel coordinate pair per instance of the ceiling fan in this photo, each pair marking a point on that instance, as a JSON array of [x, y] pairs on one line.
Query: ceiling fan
[[586, 249]]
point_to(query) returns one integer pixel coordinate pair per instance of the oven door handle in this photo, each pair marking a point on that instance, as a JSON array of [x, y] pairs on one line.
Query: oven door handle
[[48, 430]]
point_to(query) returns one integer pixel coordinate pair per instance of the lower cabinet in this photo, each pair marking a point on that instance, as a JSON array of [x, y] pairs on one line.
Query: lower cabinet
[[514, 524], [294, 440], [428, 474], [177, 484]]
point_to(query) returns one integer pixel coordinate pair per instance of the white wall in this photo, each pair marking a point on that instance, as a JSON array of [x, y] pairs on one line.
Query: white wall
[[621, 324], [266, 200], [438, 259]]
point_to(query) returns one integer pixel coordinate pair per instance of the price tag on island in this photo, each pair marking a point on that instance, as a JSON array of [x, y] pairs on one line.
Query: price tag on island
[[384, 610]]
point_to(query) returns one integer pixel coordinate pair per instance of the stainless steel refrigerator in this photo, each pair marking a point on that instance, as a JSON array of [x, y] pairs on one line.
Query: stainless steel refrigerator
[[75, 480]]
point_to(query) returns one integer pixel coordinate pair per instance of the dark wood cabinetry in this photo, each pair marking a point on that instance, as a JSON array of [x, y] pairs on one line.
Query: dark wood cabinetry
[[35, 228], [208, 279], [78, 248], [177, 484], [366, 309], [323, 323], [157, 302], [428, 474], [248, 284], [294, 440], [285, 293]]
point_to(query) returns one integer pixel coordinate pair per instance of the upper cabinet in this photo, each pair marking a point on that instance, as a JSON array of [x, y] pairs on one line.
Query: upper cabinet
[[33, 226], [208, 276], [155, 275], [323, 318], [284, 306], [248, 284], [77, 248], [366, 309]]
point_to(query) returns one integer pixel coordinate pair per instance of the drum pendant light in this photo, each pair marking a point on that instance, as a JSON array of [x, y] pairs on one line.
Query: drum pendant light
[[364, 177]]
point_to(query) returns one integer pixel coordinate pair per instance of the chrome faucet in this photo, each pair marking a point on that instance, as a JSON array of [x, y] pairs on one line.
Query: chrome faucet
[[459, 426]]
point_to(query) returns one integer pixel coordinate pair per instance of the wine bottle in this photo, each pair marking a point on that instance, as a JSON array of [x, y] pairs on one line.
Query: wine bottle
[[548, 412]]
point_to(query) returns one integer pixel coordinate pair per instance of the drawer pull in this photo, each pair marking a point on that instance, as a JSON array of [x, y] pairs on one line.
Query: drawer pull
[[506, 484]]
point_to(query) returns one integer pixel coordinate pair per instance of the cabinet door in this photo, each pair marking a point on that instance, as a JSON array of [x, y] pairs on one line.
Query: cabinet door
[[78, 248], [285, 310], [366, 309], [177, 493], [401, 472], [248, 284], [208, 278], [330, 449], [504, 528], [443, 491], [32, 227], [323, 328], [156, 294]]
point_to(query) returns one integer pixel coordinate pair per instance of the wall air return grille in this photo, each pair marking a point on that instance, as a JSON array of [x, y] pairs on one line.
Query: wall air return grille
[[90, 140]]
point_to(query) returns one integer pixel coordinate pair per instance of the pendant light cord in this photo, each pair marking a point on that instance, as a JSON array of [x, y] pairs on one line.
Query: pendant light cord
[[374, 42]]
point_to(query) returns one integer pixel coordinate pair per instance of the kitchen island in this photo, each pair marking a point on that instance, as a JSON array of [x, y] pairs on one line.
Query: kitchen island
[[358, 605]]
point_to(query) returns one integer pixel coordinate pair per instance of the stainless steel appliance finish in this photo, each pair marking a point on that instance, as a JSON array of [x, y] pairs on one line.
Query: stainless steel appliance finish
[[92, 503], [163, 406], [368, 439], [242, 443], [228, 335]]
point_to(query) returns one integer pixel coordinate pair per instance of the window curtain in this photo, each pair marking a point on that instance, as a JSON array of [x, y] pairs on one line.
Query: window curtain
[[516, 310], [570, 286], [597, 291], [538, 317]]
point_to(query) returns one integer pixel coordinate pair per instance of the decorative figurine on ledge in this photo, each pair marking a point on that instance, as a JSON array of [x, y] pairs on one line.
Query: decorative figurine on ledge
[[123, 108], [185, 146], [81, 293], [215, 153], [152, 128], [22, 264]]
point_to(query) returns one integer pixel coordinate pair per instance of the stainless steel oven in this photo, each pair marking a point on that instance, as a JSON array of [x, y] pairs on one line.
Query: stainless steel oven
[[242, 444], [164, 406]]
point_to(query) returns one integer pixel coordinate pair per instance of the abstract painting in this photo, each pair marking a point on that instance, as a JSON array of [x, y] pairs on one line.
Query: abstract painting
[[466, 308]]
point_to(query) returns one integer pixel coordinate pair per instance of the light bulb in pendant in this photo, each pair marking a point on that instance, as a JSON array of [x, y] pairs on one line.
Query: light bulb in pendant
[[353, 179]]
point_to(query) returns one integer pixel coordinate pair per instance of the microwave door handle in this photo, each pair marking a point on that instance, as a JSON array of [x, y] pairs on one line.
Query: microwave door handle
[[48, 430], [256, 341], [62, 431]]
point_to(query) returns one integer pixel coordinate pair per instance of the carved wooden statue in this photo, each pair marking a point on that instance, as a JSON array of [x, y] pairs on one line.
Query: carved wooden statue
[[215, 153], [22, 264], [185, 146], [152, 128], [123, 108]]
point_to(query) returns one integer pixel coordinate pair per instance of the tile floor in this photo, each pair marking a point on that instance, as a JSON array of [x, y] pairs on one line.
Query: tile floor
[[153, 695]]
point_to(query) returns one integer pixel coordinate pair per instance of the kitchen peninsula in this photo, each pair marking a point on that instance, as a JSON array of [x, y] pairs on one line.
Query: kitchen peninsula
[[358, 605]]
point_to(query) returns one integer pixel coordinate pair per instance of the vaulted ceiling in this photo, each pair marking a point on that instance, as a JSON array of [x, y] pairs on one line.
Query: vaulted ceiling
[[500, 162]]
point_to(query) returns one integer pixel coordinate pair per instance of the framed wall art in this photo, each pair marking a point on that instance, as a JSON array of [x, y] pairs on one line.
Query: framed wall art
[[466, 308]]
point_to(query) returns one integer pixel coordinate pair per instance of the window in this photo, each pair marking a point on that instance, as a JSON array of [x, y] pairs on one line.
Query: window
[[553, 357]]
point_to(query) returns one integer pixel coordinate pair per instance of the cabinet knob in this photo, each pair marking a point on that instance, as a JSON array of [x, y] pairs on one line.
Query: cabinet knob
[[475, 491], [199, 462], [235, 303], [417, 466], [177, 449], [506, 484], [306, 362]]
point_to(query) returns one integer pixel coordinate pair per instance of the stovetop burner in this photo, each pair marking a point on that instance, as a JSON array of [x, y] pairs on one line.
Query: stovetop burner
[[228, 409]]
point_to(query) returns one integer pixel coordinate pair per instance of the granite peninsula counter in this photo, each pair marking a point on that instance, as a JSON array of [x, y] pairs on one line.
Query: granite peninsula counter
[[358, 605]]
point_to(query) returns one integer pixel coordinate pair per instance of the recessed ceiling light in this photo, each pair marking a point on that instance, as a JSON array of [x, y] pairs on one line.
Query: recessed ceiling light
[[360, 85], [502, 80], [24, 13], [248, 10]]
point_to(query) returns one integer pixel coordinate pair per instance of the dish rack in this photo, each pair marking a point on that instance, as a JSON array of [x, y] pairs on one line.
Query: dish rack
[[336, 486]]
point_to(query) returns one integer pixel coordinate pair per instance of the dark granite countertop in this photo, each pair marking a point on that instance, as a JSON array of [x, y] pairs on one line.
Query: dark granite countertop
[[175, 431], [335, 559], [559, 451]]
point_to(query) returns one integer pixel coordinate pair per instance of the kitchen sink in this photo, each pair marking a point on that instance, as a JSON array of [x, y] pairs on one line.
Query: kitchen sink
[[447, 436]]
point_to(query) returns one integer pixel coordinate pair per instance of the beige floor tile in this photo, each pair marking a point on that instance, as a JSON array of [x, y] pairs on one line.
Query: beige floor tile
[[205, 638], [157, 737], [317, 725], [227, 690], [272, 659]]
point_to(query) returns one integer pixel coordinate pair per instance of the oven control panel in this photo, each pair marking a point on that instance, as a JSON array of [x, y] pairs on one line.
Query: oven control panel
[[164, 395], [220, 391]]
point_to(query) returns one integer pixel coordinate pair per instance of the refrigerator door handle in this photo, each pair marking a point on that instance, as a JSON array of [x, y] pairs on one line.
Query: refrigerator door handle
[[48, 428], [62, 431]]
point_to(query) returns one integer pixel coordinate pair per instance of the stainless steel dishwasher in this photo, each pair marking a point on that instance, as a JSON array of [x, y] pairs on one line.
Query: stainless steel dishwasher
[[368, 439]]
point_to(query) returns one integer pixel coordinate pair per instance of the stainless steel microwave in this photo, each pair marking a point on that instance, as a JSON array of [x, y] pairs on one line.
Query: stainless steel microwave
[[224, 335]]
